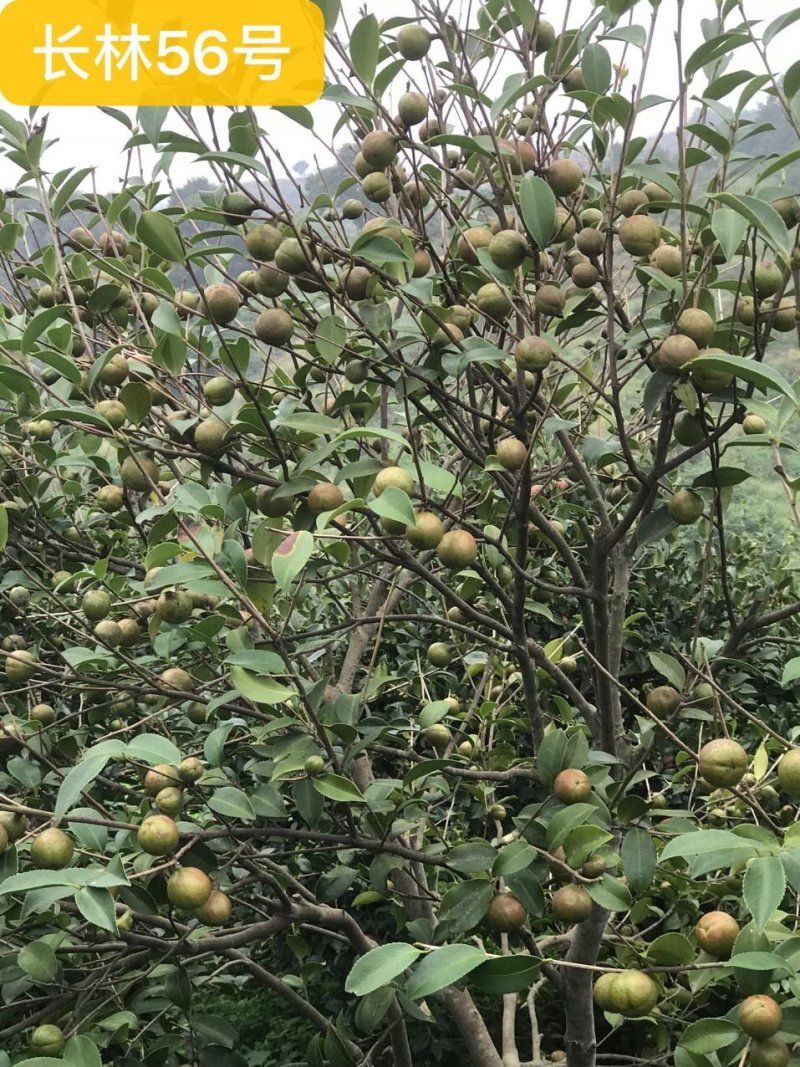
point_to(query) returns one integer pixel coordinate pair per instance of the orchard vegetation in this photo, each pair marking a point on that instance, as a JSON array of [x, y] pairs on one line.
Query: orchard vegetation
[[375, 634]]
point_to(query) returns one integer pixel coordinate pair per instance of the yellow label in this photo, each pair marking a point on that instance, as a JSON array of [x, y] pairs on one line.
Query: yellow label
[[161, 52]]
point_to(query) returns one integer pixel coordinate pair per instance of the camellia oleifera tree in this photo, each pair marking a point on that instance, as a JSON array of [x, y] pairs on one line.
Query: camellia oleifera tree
[[320, 578]]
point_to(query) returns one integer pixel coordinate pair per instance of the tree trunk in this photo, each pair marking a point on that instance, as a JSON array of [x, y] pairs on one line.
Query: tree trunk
[[580, 1041]]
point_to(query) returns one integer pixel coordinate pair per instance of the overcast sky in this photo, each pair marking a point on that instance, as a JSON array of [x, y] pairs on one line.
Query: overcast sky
[[86, 136]]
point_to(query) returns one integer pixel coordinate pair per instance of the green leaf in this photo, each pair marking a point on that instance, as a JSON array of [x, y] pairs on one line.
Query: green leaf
[[232, 802], [3, 528], [596, 69], [394, 504], [158, 232], [759, 961], [42, 1061], [668, 667], [550, 756], [153, 748], [76, 780], [81, 1051], [514, 857], [434, 711], [330, 337], [336, 787], [763, 888], [764, 378], [137, 399], [566, 820], [472, 857], [464, 905], [96, 905], [506, 974], [379, 966], [671, 950], [38, 960], [722, 477], [761, 215], [442, 968], [638, 858], [538, 207], [791, 671], [291, 556], [611, 894], [259, 690], [364, 42], [697, 842], [165, 318], [709, 1035]]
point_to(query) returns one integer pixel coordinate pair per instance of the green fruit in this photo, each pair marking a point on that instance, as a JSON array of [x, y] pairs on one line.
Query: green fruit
[[571, 904], [668, 258], [20, 666], [352, 209], [564, 177], [217, 909], [96, 604], [139, 472], [394, 477], [663, 701], [697, 324], [412, 108], [630, 993], [13, 825], [426, 532], [108, 632], [722, 762], [768, 279], [189, 888], [760, 1016], [493, 302], [158, 835], [174, 606], [571, 786], [113, 411], [291, 257], [413, 42], [440, 654], [457, 549], [716, 933], [81, 237], [472, 239], [210, 436], [549, 300], [176, 678], [274, 327], [772, 1052], [219, 391], [19, 596], [270, 281], [43, 713], [438, 736], [52, 849], [191, 769], [590, 242], [685, 507], [237, 207], [543, 35], [505, 913], [325, 496], [533, 353], [263, 241], [585, 275], [268, 504], [630, 201], [376, 188], [508, 249], [221, 303], [112, 243], [314, 766], [379, 150], [47, 1040], [753, 424], [639, 235], [110, 498], [675, 352], [789, 772], [512, 453], [169, 801]]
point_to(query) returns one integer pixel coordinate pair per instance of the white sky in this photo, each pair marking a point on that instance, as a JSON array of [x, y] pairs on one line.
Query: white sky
[[85, 136]]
